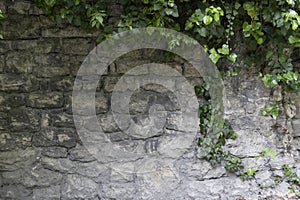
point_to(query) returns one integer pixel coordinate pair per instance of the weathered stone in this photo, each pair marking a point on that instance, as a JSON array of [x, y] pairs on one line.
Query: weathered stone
[[11, 82], [15, 159], [62, 84], [281, 160], [190, 71], [2, 64], [45, 100], [55, 137], [48, 193], [296, 142], [22, 119], [14, 192], [115, 190], [95, 170], [109, 83], [296, 127], [41, 177], [28, 29], [79, 153], [49, 66], [27, 45], [4, 46], [108, 123], [68, 32], [11, 141], [19, 7], [58, 164], [77, 46], [62, 120], [79, 187], [55, 152], [48, 46]]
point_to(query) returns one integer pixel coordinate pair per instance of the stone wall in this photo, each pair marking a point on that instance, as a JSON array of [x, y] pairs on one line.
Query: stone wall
[[43, 157]]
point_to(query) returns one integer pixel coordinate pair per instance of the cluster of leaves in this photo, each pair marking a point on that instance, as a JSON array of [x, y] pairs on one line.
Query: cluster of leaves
[[292, 178], [259, 33], [273, 111], [269, 29], [212, 151]]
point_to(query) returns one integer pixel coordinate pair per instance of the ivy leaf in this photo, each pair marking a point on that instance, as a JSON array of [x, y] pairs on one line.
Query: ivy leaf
[[294, 25], [214, 56], [217, 17], [207, 19], [232, 57], [293, 39], [1, 37], [50, 3], [224, 50]]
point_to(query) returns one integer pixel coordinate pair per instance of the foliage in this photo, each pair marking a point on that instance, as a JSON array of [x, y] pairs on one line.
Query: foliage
[[271, 110], [259, 33], [269, 29], [292, 178], [213, 151], [2, 16], [267, 152]]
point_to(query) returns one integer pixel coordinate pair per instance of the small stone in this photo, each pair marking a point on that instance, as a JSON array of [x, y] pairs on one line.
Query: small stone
[[12, 82], [49, 193], [22, 119], [60, 164], [48, 137], [79, 187], [80, 153], [45, 100], [19, 63], [55, 152]]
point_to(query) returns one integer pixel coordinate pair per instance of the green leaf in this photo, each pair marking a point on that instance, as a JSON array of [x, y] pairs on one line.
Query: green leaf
[[232, 57], [293, 39], [207, 19], [50, 3], [217, 17], [294, 25], [1, 37], [224, 50], [214, 56]]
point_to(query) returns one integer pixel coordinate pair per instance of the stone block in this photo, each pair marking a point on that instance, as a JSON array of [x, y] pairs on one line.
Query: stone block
[[77, 46], [80, 153], [15, 192], [4, 46], [79, 187], [14, 82], [28, 29], [19, 7], [62, 84], [296, 143], [45, 100], [62, 165], [41, 177], [24, 119], [49, 137], [19, 62], [67, 32], [11, 141], [55, 152], [62, 120], [48, 193]]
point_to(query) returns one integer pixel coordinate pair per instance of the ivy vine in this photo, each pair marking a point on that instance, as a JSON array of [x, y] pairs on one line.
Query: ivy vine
[[267, 30]]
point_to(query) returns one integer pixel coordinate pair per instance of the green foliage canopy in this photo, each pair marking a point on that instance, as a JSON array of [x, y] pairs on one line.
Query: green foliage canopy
[[265, 31]]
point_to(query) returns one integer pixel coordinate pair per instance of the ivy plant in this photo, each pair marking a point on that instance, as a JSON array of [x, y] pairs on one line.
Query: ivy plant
[[263, 34]]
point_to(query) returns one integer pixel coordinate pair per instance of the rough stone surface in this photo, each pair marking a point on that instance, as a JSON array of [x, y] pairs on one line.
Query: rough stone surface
[[43, 157]]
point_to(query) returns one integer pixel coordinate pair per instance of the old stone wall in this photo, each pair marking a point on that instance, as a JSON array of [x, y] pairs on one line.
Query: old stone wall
[[42, 156]]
